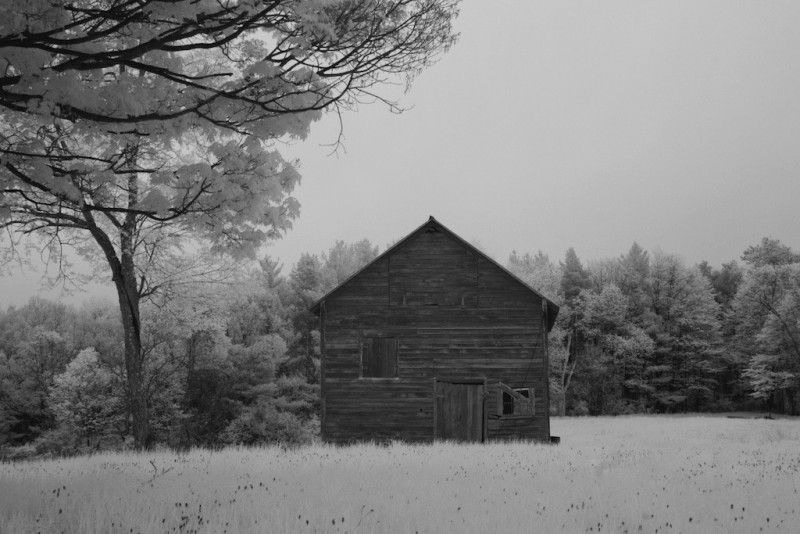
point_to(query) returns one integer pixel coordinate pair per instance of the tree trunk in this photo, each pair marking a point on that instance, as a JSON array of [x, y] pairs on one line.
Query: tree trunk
[[128, 296], [566, 377], [137, 394], [123, 268]]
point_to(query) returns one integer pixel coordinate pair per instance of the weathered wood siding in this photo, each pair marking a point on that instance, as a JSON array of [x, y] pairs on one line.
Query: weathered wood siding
[[456, 316]]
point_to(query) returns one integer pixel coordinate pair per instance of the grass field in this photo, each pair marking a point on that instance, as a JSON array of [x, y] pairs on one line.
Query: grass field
[[624, 474]]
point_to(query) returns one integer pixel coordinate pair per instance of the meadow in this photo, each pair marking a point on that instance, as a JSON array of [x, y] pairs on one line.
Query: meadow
[[624, 474]]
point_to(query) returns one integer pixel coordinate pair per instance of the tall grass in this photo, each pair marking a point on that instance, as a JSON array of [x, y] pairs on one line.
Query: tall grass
[[626, 474]]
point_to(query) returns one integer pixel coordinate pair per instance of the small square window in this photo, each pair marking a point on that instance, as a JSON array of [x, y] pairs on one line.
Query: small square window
[[517, 401], [379, 357]]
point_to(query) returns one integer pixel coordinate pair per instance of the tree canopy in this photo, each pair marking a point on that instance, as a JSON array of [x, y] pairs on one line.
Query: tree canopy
[[193, 94], [131, 65]]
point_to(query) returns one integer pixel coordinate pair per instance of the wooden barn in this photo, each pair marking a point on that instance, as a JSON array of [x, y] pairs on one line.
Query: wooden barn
[[434, 340]]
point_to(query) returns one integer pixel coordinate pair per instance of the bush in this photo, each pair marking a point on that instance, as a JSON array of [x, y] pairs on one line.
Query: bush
[[580, 408], [22, 452], [262, 424], [64, 440], [720, 405]]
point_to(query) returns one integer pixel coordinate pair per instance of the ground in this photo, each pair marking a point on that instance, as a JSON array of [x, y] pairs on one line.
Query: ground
[[624, 474]]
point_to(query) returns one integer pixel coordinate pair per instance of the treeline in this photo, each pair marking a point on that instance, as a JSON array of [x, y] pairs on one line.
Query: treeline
[[237, 362], [225, 363], [648, 333]]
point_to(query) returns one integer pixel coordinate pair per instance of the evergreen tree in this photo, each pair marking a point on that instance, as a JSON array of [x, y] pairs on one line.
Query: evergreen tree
[[615, 351], [684, 369], [567, 341], [574, 277], [635, 268]]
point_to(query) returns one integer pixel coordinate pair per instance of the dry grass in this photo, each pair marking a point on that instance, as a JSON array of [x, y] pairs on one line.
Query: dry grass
[[627, 474]]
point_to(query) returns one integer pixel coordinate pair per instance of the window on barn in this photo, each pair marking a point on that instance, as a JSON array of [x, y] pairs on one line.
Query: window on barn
[[379, 357], [515, 401]]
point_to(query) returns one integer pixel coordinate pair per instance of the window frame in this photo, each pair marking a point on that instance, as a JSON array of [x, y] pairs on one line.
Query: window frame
[[367, 342], [507, 395]]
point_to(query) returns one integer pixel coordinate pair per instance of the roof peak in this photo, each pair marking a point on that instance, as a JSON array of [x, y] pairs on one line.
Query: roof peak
[[433, 225]]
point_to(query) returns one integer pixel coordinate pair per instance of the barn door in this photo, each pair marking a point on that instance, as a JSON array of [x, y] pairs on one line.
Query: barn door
[[460, 411]]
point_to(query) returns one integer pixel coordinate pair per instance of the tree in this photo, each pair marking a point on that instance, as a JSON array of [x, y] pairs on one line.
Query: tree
[[563, 361], [574, 277], [35, 345], [538, 272], [311, 278], [97, 325], [769, 252], [725, 281], [767, 309], [569, 342], [604, 272], [128, 126], [87, 399], [633, 282], [615, 350], [305, 281], [343, 259], [766, 318], [684, 367]]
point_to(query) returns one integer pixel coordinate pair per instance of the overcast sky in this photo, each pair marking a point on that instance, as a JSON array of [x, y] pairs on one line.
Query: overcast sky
[[590, 124]]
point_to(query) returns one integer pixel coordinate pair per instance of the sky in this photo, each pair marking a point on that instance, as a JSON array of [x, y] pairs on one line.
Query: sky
[[569, 123]]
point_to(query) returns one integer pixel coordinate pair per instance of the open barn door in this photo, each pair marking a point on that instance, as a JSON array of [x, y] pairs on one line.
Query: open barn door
[[460, 411]]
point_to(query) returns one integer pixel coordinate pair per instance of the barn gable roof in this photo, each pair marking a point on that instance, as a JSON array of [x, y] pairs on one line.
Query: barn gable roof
[[552, 308]]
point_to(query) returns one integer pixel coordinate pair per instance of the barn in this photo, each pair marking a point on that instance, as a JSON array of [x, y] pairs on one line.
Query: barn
[[434, 340]]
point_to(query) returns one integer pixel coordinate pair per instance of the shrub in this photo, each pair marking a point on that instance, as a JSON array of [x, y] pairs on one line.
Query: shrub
[[263, 424]]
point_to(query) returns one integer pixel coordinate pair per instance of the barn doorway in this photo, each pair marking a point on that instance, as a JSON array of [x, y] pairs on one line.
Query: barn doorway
[[460, 411]]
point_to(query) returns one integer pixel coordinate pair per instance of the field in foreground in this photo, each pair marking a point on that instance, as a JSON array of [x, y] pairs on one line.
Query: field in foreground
[[624, 474]]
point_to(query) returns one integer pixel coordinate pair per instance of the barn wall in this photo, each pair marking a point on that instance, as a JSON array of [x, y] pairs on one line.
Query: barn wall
[[456, 316], [433, 270]]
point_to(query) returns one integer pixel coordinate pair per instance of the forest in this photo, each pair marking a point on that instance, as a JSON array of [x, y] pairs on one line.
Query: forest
[[235, 359]]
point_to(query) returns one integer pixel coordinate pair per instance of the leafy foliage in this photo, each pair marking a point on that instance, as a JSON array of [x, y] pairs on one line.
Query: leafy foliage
[[88, 400], [131, 128], [36, 343], [538, 272], [767, 323], [643, 334]]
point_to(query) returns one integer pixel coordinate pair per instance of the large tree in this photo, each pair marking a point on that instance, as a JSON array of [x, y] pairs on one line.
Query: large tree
[[128, 125], [683, 369], [564, 358], [767, 322]]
